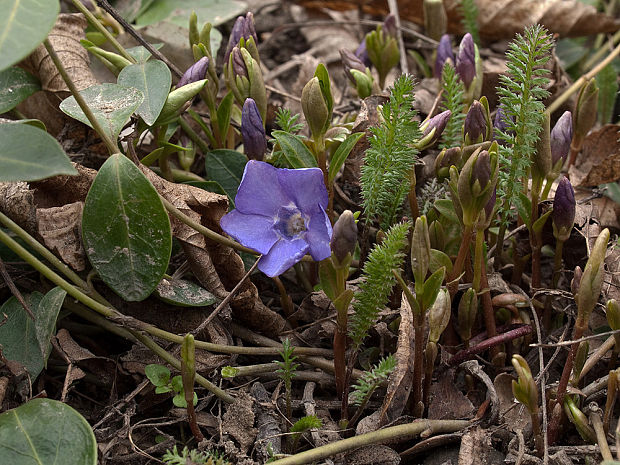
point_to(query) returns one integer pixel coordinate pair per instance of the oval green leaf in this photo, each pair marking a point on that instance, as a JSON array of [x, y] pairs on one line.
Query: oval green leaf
[[153, 78], [24, 24], [16, 85], [112, 105], [126, 230], [226, 168], [26, 341], [295, 151], [341, 154], [184, 293], [28, 154], [45, 431]]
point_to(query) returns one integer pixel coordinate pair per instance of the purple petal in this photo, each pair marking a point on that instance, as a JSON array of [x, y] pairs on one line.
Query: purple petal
[[319, 235], [260, 192], [253, 231], [282, 256], [306, 187]]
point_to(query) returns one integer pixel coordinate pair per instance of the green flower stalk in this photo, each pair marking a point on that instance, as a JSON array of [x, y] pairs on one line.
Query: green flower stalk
[[579, 419], [613, 384], [333, 274], [382, 48], [526, 392], [188, 375], [587, 296], [113, 61], [584, 117], [467, 312]]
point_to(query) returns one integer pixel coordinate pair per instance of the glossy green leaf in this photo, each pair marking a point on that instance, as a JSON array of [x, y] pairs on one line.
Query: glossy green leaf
[[157, 374], [126, 230], [16, 85], [431, 288], [112, 105], [226, 168], [295, 151], [27, 341], [28, 154], [45, 431], [24, 24], [153, 78], [141, 54], [341, 154], [439, 259], [223, 113], [446, 208], [184, 293]]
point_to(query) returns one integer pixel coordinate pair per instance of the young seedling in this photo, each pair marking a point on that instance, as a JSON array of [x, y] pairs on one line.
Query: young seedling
[[525, 391], [287, 372], [159, 375]]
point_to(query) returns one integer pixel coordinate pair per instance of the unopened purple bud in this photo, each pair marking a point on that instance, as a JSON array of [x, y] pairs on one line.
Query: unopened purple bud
[[561, 137], [563, 214], [438, 122], [239, 66], [351, 61], [389, 25], [444, 53], [466, 60], [344, 237], [475, 125], [243, 28], [362, 54], [482, 169], [196, 72], [252, 131]]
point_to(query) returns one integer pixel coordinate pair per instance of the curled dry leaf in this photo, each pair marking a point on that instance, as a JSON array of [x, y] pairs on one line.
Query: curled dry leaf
[[498, 19], [65, 38], [599, 160], [447, 401], [238, 421], [400, 380], [60, 229]]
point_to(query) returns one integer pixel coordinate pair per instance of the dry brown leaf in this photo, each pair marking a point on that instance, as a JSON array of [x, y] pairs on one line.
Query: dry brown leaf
[[475, 447], [238, 421], [447, 401], [65, 38], [498, 19], [599, 160], [61, 231], [511, 414], [399, 383]]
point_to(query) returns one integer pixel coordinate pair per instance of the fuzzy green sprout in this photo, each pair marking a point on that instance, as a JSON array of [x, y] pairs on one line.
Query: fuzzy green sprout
[[301, 426], [287, 371], [521, 93], [453, 100], [390, 158], [470, 12], [370, 381], [192, 457]]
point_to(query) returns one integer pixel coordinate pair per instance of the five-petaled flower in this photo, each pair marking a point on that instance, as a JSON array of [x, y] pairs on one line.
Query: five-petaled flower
[[280, 213]]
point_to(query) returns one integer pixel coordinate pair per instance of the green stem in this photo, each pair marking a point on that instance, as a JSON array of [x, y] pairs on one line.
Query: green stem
[[195, 137], [392, 433], [110, 144], [457, 269], [478, 259], [101, 28]]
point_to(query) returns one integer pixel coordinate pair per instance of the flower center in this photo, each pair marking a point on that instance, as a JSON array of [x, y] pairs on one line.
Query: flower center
[[290, 223]]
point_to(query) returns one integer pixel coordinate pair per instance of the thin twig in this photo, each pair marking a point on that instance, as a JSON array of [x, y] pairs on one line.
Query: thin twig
[[136, 35], [577, 341], [224, 302], [18, 295], [404, 67]]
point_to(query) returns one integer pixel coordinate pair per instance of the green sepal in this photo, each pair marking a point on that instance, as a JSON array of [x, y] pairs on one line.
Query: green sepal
[[539, 224], [176, 101], [323, 77], [431, 288]]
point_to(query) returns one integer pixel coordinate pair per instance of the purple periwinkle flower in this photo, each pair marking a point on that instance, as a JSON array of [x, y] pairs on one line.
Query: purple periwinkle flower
[[243, 28], [444, 53], [466, 60], [362, 53], [252, 131], [563, 214], [280, 213], [561, 137], [194, 73]]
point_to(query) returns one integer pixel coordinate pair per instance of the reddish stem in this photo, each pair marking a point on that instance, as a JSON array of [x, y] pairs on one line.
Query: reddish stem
[[503, 338]]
